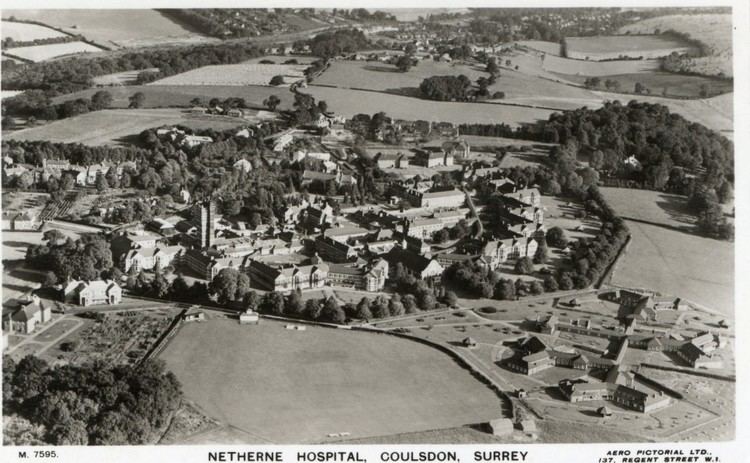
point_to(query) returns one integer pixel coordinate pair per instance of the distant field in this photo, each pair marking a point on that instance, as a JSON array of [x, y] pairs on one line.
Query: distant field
[[675, 85], [116, 126], [280, 59], [714, 30], [350, 102], [550, 48], [236, 74], [21, 32], [38, 53], [121, 78], [118, 28], [613, 46], [597, 68], [160, 96], [670, 260], [284, 386]]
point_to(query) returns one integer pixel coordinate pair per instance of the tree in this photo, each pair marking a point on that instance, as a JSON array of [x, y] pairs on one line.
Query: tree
[[410, 304], [404, 63], [395, 306], [524, 266], [276, 80], [639, 88], [294, 306], [137, 100], [542, 252], [363, 309], [332, 312], [50, 279], [451, 299], [224, 285], [556, 237], [492, 67], [550, 284], [505, 290], [312, 309], [565, 282], [101, 100], [536, 288]]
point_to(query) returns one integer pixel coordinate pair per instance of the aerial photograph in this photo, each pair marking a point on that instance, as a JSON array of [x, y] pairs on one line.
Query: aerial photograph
[[254, 226]]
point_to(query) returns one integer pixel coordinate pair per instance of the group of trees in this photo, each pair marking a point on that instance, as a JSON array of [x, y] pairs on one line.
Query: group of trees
[[92, 404], [705, 204], [446, 88], [87, 258], [37, 105], [330, 44], [459, 231]]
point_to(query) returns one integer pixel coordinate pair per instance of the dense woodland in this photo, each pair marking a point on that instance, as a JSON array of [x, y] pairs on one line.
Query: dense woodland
[[93, 404]]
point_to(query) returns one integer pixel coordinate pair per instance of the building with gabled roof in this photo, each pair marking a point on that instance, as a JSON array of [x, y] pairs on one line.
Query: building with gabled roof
[[287, 278], [95, 292], [420, 267], [25, 317]]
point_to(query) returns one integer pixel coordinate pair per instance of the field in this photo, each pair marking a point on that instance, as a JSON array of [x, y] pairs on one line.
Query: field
[[550, 48], [115, 126], [160, 96], [120, 78], [236, 74], [666, 83], [22, 32], [666, 255], [518, 87], [113, 28], [714, 30], [284, 386], [350, 102], [38, 53], [613, 46], [598, 68]]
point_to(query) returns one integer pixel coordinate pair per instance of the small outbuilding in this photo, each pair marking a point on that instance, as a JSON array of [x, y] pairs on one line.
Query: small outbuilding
[[501, 427], [527, 425], [470, 342], [194, 315], [521, 393], [604, 411], [249, 317]]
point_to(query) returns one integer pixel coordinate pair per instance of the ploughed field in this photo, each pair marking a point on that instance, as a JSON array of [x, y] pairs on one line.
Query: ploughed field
[[285, 386]]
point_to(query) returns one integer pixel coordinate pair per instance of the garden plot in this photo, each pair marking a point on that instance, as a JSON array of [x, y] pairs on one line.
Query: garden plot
[[236, 74], [24, 32], [37, 53]]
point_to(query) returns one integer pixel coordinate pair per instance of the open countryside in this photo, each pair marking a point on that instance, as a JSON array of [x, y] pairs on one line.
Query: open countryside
[[349, 226]]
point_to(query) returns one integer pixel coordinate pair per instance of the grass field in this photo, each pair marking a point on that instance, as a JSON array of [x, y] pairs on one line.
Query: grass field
[[286, 386], [714, 30], [121, 78], [118, 28], [617, 45], [668, 256], [116, 126], [549, 48], [21, 32], [236, 74], [38, 53], [160, 96], [666, 83], [597, 68], [350, 102]]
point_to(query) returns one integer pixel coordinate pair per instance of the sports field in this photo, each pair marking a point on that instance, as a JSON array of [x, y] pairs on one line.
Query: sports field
[[283, 386], [160, 96], [113, 28], [116, 126]]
